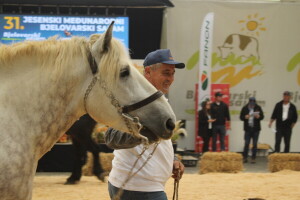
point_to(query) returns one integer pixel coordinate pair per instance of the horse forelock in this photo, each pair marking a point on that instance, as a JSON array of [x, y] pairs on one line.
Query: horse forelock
[[111, 63]]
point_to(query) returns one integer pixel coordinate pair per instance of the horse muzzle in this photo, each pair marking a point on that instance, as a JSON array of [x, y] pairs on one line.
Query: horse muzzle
[[156, 136]]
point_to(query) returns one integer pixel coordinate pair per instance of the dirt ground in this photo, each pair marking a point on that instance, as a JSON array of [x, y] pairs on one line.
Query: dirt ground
[[284, 185]]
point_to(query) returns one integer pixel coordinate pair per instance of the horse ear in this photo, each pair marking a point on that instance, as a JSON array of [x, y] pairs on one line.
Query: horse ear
[[100, 44], [107, 37]]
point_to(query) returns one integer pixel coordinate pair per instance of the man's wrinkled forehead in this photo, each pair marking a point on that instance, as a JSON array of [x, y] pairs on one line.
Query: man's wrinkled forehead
[[165, 67], [168, 70]]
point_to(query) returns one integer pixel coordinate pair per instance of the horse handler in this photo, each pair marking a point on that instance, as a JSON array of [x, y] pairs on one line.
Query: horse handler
[[148, 181]]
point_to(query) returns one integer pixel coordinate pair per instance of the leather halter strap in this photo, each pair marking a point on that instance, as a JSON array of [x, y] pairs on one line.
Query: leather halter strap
[[92, 62], [135, 106]]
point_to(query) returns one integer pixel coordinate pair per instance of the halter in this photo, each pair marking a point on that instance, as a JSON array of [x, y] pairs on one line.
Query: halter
[[122, 110]]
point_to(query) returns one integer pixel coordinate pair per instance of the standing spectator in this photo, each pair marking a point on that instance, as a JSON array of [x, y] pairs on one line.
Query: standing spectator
[[251, 114], [219, 112], [205, 124], [285, 114]]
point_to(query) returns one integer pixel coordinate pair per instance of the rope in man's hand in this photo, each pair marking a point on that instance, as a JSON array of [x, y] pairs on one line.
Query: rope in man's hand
[[176, 184]]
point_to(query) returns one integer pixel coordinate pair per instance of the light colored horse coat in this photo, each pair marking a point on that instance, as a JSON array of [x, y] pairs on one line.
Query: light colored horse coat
[[42, 88]]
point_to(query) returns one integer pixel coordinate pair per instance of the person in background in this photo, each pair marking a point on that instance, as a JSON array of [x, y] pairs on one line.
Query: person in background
[[149, 182], [286, 116], [219, 112], [251, 114], [205, 124]]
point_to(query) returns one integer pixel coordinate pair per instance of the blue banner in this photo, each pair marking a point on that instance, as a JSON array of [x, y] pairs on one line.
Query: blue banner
[[15, 28]]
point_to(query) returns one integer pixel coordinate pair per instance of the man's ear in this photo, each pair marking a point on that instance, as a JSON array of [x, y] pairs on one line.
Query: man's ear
[[147, 71]]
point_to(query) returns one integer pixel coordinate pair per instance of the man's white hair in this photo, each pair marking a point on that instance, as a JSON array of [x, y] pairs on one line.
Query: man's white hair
[[154, 67]]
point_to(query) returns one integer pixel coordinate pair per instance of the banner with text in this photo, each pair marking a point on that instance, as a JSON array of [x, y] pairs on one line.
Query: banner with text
[[255, 50], [14, 28], [206, 37]]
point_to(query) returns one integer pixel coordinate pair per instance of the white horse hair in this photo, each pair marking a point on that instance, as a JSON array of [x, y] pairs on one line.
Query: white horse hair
[[42, 90]]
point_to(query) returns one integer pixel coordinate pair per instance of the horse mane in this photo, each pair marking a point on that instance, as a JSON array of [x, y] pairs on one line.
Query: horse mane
[[56, 53], [50, 52]]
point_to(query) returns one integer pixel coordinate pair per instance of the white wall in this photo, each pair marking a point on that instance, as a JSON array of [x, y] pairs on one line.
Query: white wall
[[278, 36]]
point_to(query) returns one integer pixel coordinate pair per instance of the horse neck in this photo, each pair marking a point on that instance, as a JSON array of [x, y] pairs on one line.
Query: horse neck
[[47, 103]]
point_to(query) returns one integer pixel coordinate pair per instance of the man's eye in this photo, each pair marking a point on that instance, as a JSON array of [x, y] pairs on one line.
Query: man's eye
[[167, 74], [124, 73]]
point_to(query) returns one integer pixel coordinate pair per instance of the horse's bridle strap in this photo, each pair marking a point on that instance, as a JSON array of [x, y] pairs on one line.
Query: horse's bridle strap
[[135, 106]]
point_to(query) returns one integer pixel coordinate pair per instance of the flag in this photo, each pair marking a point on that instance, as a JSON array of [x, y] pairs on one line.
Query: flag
[[206, 41]]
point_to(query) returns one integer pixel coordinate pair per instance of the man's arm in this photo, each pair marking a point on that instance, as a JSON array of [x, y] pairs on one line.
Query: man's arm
[[274, 114], [120, 140], [261, 114], [227, 113], [243, 114], [295, 117]]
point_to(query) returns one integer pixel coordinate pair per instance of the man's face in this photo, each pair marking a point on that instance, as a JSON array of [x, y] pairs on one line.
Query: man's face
[[219, 98], [286, 98], [162, 77]]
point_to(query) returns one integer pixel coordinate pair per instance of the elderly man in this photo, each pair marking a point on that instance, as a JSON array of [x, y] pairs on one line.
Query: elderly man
[[285, 114], [150, 181]]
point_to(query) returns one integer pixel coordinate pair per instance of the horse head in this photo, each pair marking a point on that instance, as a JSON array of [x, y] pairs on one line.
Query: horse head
[[131, 103]]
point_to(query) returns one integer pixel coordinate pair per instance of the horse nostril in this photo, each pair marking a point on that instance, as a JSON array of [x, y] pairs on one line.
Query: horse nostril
[[170, 125]]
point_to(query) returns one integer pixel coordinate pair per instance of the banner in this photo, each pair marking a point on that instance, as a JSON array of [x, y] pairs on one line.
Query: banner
[[206, 38], [255, 50], [16, 28]]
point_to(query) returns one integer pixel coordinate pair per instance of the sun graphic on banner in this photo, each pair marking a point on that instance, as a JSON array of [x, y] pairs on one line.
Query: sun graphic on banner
[[253, 24]]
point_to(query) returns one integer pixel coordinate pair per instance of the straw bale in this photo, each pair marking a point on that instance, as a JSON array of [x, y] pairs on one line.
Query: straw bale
[[284, 161], [261, 146], [228, 162], [105, 161], [87, 169]]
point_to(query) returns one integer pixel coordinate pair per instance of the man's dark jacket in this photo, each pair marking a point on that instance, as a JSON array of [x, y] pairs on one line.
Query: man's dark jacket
[[256, 122], [220, 113], [277, 115]]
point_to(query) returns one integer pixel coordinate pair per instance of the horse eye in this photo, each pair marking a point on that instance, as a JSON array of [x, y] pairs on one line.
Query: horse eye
[[124, 73]]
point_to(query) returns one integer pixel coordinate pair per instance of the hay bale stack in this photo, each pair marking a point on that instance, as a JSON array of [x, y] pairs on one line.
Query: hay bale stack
[[228, 162], [87, 169], [105, 161], [261, 146], [282, 161]]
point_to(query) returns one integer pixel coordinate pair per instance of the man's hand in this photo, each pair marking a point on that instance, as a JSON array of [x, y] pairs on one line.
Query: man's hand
[[270, 124], [178, 169], [293, 124]]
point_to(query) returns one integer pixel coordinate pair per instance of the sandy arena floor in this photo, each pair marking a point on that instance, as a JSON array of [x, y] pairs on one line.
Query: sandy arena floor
[[283, 185]]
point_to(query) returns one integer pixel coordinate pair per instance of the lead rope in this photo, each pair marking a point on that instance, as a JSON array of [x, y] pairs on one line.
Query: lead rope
[[176, 186], [130, 174]]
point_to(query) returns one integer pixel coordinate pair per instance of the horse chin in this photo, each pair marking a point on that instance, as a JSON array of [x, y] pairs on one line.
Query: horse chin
[[152, 137]]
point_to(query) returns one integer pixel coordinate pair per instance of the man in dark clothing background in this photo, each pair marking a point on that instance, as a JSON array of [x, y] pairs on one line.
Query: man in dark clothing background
[[220, 112], [251, 114], [285, 114]]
